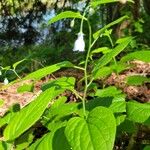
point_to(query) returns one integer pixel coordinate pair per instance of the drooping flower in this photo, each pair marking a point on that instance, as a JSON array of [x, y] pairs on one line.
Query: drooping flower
[[79, 44], [6, 81]]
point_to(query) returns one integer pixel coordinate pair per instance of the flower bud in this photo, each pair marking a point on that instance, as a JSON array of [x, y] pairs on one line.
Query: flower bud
[[122, 1], [91, 11], [72, 23]]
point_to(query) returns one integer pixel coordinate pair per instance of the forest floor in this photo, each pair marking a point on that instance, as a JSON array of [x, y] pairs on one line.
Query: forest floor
[[140, 93]]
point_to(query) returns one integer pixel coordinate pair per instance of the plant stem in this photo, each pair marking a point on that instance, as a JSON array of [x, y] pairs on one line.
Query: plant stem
[[80, 68], [112, 45], [81, 26], [16, 74], [85, 68]]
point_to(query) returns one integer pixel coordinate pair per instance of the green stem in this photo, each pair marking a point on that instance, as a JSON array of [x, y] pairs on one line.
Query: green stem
[[112, 45], [85, 68], [16, 74], [80, 68], [81, 26], [110, 39], [76, 93]]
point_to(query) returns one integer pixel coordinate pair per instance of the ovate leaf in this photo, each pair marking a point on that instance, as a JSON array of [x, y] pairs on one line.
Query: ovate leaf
[[102, 72], [140, 55], [24, 119], [55, 140], [138, 112], [66, 14], [95, 133], [137, 80], [110, 91]]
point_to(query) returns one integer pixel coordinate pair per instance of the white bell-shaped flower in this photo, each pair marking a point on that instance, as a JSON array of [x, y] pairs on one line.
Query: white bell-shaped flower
[[79, 44], [6, 81]]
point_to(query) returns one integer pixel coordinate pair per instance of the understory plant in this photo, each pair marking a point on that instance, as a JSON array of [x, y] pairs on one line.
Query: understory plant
[[100, 114]]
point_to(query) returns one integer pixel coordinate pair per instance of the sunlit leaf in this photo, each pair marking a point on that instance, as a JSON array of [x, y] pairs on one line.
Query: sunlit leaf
[[102, 73], [96, 133], [120, 119], [138, 112], [64, 82], [137, 80], [24, 119], [5, 146], [47, 70], [25, 88], [110, 91], [143, 55], [66, 14]]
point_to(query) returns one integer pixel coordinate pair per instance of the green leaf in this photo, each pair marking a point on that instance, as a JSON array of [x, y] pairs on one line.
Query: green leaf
[[56, 115], [103, 50], [116, 104], [126, 126], [17, 63], [66, 14], [147, 147], [102, 73], [140, 55], [63, 83], [55, 140], [95, 133], [24, 119], [138, 112], [95, 3], [47, 70], [24, 140], [5, 146], [137, 80], [119, 67], [9, 115], [99, 32], [110, 91], [120, 119], [25, 88], [105, 59]]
